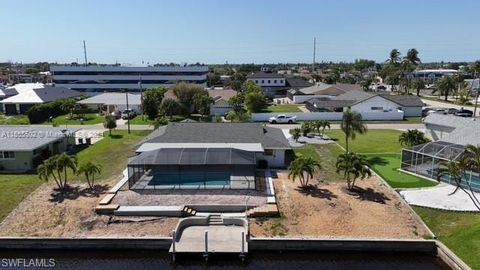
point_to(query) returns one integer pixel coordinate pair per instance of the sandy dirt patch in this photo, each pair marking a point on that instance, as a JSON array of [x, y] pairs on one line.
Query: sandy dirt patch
[[42, 214], [329, 211]]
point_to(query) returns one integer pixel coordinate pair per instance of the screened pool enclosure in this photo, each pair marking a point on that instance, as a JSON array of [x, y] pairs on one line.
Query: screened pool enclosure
[[192, 168], [424, 160]]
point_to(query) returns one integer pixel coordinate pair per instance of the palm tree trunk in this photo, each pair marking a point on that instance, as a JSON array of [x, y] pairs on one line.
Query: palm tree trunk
[[346, 144]]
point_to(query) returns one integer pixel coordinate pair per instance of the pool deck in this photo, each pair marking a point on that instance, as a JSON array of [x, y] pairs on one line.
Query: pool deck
[[189, 197], [440, 197]]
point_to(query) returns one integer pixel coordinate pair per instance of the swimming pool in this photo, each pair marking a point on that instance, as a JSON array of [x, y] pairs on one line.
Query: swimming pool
[[191, 179]]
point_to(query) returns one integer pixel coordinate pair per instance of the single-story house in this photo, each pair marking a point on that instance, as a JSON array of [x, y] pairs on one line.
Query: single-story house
[[206, 155], [321, 90], [220, 97], [22, 148], [362, 101], [450, 135], [36, 94], [111, 102]]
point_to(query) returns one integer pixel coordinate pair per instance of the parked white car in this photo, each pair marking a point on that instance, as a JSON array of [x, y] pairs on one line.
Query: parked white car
[[282, 119]]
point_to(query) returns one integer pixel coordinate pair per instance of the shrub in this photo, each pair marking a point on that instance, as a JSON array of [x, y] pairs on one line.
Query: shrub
[[41, 112]]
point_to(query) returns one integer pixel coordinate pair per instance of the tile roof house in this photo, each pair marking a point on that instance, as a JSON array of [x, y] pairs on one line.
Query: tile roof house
[[22, 147], [206, 155]]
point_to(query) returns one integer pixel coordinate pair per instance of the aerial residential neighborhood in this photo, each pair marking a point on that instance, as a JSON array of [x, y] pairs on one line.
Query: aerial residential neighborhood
[[253, 135]]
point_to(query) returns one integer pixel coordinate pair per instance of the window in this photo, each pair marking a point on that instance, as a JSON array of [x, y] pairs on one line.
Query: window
[[376, 108], [268, 152], [7, 155], [263, 81], [268, 81], [281, 81], [256, 81], [274, 81]]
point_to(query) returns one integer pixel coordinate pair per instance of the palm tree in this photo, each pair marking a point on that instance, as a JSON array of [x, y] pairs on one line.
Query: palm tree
[[353, 167], [159, 121], [412, 57], [47, 169], [394, 57], [324, 124], [412, 137], [68, 105], [306, 127], [110, 123], [455, 170], [444, 86], [352, 124], [89, 170], [63, 163], [296, 134], [317, 125], [303, 168], [471, 155], [418, 84]]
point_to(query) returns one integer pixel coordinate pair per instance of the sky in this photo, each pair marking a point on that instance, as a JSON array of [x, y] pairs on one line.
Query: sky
[[236, 31]]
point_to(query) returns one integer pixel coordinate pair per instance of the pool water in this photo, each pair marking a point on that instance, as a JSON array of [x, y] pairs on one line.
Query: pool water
[[191, 179]]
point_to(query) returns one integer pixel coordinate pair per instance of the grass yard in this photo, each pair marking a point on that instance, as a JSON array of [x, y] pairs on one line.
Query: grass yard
[[14, 120], [387, 165], [459, 231], [13, 189], [285, 108], [137, 120], [374, 141], [112, 152], [327, 155], [90, 119]]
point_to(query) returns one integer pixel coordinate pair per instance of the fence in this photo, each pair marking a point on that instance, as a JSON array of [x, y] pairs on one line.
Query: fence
[[331, 116]]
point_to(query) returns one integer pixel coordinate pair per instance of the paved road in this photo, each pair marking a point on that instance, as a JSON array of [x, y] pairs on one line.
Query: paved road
[[369, 126], [440, 104]]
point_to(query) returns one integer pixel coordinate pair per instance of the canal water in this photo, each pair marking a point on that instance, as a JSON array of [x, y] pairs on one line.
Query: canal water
[[135, 259]]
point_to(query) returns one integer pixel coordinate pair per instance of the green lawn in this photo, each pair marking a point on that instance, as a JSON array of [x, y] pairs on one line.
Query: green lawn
[[137, 120], [459, 231], [285, 108], [327, 155], [14, 120], [111, 152], [387, 165], [90, 119], [13, 189], [374, 141]]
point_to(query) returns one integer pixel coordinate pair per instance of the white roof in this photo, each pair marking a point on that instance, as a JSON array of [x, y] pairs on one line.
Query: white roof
[[113, 99], [41, 95], [465, 130], [19, 88], [437, 71], [250, 147]]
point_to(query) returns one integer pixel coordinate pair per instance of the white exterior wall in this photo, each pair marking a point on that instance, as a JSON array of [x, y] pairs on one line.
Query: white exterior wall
[[275, 160], [412, 111], [377, 101], [273, 81], [220, 109], [331, 116]]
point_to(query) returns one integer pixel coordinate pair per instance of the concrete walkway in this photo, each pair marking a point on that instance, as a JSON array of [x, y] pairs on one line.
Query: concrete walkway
[[222, 239], [439, 197]]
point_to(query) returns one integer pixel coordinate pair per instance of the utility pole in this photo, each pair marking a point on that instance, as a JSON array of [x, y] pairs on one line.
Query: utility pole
[[314, 50], [85, 52], [128, 112]]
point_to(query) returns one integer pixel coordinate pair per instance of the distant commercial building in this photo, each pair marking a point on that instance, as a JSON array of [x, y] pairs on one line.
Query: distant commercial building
[[433, 74], [111, 78]]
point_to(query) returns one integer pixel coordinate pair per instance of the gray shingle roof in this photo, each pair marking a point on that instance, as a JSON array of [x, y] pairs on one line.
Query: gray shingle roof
[[357, 95], [113, 99], [332, 103], [465, 130], [298, 83], [265, 75], [269, 137], [404, 100], [28, 138]]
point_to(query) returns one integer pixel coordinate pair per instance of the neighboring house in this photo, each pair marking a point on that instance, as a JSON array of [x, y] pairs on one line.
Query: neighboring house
[[115, 78], [206, 155], [321, 90], [433, 74], [24, 100], [220, 97], [450, 135], [361, 102], [22, 148], [274, 84], [111, 102]]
